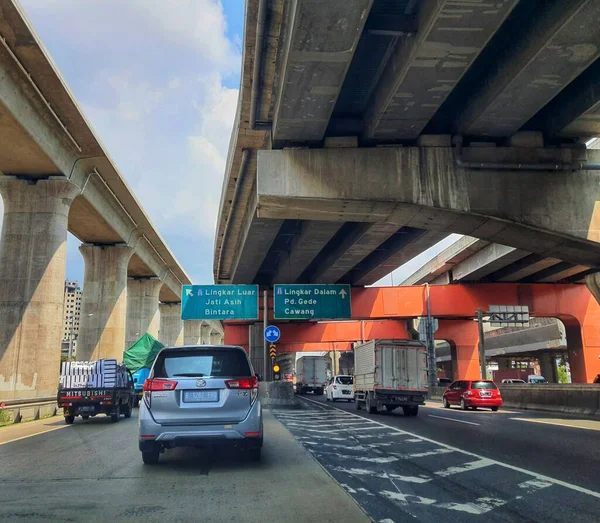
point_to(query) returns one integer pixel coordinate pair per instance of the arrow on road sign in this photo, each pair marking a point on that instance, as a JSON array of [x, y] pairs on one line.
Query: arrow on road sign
[[189, 292], [343, 294]]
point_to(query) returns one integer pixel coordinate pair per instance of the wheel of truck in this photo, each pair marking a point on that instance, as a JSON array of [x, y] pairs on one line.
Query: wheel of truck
[[371, 409], [390, 408], [150, 457], [69, 420], [356, 404], [136, 402], [86, 417], [128, 410], [414, 410], [116, 416]]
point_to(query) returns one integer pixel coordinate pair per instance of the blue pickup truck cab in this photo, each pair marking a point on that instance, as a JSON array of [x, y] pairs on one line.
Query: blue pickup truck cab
[[139, 376]]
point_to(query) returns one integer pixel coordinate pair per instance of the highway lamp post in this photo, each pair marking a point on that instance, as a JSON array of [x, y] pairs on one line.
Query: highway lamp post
[[481, 344], [265, 324]]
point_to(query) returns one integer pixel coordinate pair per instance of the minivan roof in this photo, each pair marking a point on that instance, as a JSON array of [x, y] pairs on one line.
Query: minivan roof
[[207, 346]]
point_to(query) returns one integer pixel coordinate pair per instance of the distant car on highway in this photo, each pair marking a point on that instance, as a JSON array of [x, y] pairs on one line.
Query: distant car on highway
[[535, 379], [515, 381], [201, 395], [472, 394], [340, 388]]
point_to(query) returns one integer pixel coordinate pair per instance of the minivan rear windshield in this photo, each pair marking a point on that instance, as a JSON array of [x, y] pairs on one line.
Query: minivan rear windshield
[[345, 380], [209, 362], [483, 385]]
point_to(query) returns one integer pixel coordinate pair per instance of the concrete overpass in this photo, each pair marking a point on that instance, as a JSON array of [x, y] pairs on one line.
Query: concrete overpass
[[55, 176], [368, 130], [472, 260]]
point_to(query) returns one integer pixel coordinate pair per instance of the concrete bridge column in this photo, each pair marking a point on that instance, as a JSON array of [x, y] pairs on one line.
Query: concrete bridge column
[[104, 302], [206, 330], [171, 324], [548, 367], [192, 332], [463, 337], [33, 246], [216, 338], [142, 308]]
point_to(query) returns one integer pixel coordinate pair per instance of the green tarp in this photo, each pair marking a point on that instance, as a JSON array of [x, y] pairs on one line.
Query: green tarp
[[142, 353]]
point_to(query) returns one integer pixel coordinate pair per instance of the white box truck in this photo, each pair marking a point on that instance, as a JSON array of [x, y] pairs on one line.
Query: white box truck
[[390, 374], [311, 374]]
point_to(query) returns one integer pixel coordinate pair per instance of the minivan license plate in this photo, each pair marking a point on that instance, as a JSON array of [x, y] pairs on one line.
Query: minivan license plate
[[200, 396]]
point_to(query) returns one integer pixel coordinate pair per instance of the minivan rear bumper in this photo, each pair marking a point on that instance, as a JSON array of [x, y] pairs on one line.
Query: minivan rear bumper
[[248, 433]]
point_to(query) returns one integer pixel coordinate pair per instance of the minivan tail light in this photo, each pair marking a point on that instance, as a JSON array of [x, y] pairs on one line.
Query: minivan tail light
[[243, 383], [156, 385]]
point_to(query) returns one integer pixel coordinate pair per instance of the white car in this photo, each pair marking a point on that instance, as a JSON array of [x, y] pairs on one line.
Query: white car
[[340, 388]]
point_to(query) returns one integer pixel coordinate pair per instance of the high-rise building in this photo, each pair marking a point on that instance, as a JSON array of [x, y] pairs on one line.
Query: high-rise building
[[71, 317]]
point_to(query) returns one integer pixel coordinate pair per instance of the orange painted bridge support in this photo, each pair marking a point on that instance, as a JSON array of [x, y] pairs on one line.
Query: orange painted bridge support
[[574, 305]]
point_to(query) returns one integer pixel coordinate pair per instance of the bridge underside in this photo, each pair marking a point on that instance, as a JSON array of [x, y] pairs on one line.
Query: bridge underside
[[516, 83]]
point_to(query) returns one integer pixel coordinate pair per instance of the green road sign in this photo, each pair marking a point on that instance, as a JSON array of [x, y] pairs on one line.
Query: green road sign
[[219, 302], [312, 302]]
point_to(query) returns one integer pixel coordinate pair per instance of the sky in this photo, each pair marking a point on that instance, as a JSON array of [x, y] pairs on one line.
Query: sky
[[158, 80]]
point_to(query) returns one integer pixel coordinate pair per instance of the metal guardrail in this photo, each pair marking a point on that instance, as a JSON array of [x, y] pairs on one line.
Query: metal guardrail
[[27, 402]]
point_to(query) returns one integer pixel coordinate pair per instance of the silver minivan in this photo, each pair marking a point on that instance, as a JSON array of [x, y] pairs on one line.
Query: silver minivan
[[200, 395]]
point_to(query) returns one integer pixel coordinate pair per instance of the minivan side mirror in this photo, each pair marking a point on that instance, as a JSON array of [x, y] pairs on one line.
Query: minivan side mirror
[[259, 376]]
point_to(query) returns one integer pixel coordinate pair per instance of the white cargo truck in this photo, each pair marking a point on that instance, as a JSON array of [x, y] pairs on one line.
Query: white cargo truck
[[390, 374], [311, 374]]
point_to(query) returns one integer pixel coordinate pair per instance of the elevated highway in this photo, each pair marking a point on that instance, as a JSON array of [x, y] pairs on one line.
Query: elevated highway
[[369, 130], [55, 176]]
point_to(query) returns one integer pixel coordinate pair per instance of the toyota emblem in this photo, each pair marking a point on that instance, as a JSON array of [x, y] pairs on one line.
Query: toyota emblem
[[200, 383]]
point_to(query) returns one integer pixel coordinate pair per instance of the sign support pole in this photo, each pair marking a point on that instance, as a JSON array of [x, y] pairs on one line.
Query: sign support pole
[[481, 344], [265, 324], [430, 343]]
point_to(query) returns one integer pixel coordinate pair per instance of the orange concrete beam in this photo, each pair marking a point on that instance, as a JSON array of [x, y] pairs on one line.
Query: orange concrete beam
[[573, 304], [338, 346], [325, 332]]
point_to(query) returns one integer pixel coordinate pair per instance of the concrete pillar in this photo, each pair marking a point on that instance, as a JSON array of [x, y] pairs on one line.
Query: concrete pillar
[[216, 338], [548, 367], [104, 302], [192, 332], [206, 330], [463, 337], [503, 363], [142, 308], [171, 324], [33, 246]]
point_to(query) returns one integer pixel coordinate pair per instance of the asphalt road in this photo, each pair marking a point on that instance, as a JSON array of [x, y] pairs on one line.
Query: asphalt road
[[451, 465], [92, 471]]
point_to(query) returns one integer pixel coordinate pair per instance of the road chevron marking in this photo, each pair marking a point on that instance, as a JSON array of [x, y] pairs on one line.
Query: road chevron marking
[[541, 477]]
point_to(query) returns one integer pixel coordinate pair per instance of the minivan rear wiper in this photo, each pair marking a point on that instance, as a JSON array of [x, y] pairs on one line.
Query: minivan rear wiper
[[189, 375]]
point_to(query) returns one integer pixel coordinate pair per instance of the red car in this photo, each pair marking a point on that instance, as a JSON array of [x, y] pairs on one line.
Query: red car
[[473, 394]]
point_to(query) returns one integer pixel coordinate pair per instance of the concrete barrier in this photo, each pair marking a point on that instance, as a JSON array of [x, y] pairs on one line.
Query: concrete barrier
[[29, 409], [278, 394], [568, 398]]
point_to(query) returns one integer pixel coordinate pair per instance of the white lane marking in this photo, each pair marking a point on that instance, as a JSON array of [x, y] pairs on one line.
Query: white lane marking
[[541, 477], [405, 499], [534, 484], [474, 465], [386, 521], [423, 454], [569, 424], [452, 419], [353, 471], [414, 440], [32, 435], [330, 438], [477, 507]]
